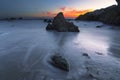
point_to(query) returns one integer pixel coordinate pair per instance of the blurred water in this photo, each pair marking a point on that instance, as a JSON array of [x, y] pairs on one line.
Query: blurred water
[[26, 48]]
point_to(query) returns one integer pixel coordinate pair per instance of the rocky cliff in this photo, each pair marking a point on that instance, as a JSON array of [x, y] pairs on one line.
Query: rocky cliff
[[110, 15]]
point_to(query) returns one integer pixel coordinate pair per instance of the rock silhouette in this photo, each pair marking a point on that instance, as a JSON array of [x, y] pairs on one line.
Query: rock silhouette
[[118, 1], [109, 15], [61, 25]]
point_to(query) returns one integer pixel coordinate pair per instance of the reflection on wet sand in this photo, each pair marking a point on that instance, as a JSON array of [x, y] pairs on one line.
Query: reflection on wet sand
[[114, 47], [62, 39], [93, 42]]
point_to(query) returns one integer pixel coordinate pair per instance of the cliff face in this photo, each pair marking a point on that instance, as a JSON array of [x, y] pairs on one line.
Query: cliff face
[[110, 15]]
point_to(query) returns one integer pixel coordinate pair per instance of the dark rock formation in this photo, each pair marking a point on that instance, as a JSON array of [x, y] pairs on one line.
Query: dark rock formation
[[48, 20], [110, 15], [118, 1], [59, 62], [61, 25]]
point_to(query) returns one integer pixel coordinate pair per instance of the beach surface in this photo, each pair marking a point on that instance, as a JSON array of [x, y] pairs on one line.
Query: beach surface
[[26, 47]]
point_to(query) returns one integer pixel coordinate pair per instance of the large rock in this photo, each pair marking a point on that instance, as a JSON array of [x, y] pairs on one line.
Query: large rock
[[110, 15], [59, 62], [61, 25]]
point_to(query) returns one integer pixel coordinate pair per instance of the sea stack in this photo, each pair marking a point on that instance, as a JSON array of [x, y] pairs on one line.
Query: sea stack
[[61, 25]]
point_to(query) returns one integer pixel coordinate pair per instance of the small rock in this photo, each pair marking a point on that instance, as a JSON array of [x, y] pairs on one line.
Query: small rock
[[60, 62], [86, 55], [99, 53], [99, 26]]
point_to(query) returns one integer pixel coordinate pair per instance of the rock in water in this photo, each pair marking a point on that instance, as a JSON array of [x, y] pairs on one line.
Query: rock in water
[[61, 25], [59, 62]]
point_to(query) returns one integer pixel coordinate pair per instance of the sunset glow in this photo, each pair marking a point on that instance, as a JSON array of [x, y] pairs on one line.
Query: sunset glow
[[68, 12], [75, 13], [49, 8]]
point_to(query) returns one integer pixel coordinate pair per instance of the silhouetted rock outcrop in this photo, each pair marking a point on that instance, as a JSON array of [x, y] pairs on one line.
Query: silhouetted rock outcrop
[[59, 62], [118, 1], [110, 15], [48, 20], [61, 25]]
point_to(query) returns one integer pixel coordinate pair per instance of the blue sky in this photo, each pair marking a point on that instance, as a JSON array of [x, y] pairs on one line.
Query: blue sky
[[32, 7]]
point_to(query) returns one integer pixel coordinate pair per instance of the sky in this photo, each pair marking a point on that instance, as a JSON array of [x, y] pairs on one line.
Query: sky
[[49, 8]]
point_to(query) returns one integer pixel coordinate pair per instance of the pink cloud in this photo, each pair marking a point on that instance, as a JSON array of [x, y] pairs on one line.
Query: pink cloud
[[63, 8]]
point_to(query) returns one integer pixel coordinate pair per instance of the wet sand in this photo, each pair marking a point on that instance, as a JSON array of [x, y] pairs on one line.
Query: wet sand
[[26, 48]]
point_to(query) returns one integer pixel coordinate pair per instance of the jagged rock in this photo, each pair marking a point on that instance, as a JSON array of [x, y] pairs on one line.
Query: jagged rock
[[59, 62], [49, 27], [109, 15], [61, 25]]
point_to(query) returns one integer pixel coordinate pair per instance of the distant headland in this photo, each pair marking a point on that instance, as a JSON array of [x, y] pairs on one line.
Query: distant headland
[[109, 15]]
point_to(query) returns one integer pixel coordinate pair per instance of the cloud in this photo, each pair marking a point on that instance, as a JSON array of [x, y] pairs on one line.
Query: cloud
[[44, 14], [63, 8], [75, 13], [68, 12], [72, 12]]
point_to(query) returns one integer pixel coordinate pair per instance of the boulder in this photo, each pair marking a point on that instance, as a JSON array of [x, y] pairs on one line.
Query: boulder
[[59, 62], [61, 25], [86, 55]]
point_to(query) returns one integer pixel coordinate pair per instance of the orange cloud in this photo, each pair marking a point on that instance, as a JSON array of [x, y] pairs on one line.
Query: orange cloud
[[72, 12], [68, 12], [75, 13]]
